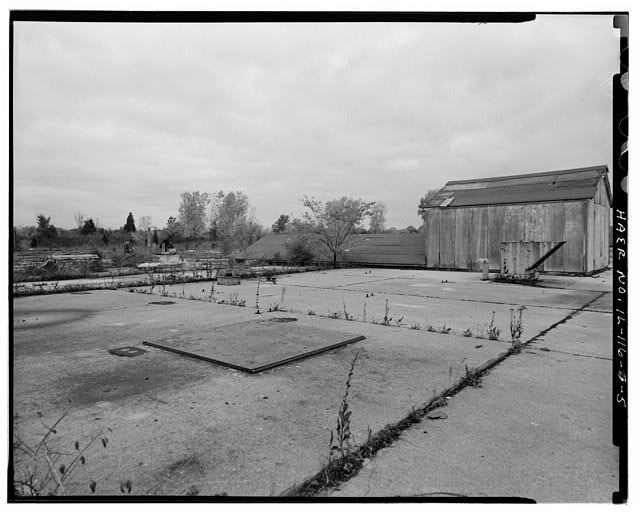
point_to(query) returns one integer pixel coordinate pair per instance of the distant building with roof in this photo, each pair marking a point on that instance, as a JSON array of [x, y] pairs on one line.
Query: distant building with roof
[[380, 249], [468, 220]]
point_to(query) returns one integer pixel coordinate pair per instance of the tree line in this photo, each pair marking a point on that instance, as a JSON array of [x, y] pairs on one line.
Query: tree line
[[227, 219]]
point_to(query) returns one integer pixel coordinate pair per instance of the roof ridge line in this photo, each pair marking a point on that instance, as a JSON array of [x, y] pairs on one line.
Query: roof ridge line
[[531, 174]]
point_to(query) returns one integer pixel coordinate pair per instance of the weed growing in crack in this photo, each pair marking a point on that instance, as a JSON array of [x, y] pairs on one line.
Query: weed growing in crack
[[414, 326], [516, 326], [472, 377], [342, 443], [311, 312], [431, 329], [444, 329], [364, 312], [284, 290], [387, 320], [334, 315], [493, 332], [414, 415], [457, 372], [258, 296], [467, 333], [235, 301], [347, 316]]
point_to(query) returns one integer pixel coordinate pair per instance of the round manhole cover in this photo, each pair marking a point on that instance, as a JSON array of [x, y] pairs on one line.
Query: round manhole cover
[[283, 319], [162, 302]]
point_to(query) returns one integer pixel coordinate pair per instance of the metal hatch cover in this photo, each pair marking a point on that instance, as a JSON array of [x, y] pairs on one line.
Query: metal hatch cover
[[257, 345]]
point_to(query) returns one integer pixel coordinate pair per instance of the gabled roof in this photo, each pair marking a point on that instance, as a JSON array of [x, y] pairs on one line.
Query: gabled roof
[[558, 185]]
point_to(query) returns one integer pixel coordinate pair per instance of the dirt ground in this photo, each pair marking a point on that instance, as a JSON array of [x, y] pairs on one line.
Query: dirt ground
[[179, 425]]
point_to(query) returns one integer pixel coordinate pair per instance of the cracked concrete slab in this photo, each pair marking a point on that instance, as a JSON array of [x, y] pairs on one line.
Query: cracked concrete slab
[[539, 427], [175, 423]]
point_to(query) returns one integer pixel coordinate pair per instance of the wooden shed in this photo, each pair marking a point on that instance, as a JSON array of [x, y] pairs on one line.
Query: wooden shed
[[467, 220]]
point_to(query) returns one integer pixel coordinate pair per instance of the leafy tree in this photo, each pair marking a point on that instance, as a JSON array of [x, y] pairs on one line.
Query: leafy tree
[[247, 232], [377, 217], [174, 229], [232, 214], [230, 222], [422, 205], [130, 226], [280, 225], [42, 221], [45, 229], [88, 227], [335, 220], [214, 215], [193, 211]]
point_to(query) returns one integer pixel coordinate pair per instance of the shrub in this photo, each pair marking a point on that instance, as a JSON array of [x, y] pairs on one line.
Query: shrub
[[299, 252], [88, 227]]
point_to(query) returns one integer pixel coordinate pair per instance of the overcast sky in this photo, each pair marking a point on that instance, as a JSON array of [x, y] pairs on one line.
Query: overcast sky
[[112, 118]]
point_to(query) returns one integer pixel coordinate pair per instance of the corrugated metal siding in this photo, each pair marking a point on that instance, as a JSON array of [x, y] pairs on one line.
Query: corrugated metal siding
[[447, 239], [480, 233], [591, 233], [575, 235], [495, 232], [432, 240], [553, 231], [464, 231], [582, 223], [598, 236]]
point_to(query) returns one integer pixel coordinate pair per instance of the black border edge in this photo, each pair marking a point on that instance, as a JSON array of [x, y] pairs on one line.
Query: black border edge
[[620, 224], [10, 247], [619, 171], [269, 16]]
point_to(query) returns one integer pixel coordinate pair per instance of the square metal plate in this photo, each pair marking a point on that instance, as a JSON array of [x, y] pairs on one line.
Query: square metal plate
[[257, 345], [127, 351]]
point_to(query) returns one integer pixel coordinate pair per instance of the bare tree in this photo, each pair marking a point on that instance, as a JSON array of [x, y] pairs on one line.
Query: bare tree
[[79, 218], [144, 223], [335, 220]]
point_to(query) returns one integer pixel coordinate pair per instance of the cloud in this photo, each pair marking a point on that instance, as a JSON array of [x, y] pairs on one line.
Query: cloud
[[112, 118]]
